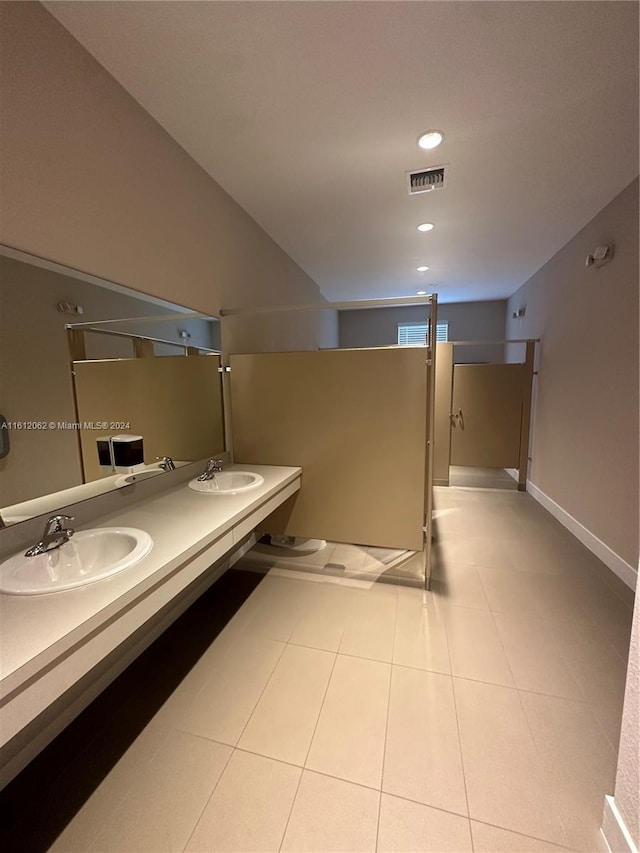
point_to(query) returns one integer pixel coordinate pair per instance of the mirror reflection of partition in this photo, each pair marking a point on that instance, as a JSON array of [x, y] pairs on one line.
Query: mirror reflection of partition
[[174, 402]]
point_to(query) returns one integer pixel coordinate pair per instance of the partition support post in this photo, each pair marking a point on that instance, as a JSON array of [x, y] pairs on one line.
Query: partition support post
[[431, 404], [142, 348], [527, 388]]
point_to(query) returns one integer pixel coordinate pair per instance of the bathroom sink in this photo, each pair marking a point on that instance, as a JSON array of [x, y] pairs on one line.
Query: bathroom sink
[[228, 483], [90, 555]]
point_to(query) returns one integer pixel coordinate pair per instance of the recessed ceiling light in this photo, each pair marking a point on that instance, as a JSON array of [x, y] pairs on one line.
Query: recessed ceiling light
[[422, 269], [421, 293], [426, 226], [430, 139]]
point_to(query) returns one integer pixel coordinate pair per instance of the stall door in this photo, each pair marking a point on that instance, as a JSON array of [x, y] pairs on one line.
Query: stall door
[[486, 415]]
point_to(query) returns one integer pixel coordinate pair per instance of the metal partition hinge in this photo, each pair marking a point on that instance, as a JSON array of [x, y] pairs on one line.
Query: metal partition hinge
[[224, 370]]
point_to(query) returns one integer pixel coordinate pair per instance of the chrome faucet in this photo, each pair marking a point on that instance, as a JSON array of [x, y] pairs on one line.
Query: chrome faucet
[[166, 463], [55, 534], [213, 466]]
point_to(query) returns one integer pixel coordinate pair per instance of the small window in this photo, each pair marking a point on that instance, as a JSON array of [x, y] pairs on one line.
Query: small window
[[415, 334]]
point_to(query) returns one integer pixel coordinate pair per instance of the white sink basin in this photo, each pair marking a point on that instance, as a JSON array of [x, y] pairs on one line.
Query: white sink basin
[[228, 483], [90, 555]]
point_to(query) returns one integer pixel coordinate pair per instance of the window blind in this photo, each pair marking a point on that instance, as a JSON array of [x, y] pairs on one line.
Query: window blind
[[415, 334]]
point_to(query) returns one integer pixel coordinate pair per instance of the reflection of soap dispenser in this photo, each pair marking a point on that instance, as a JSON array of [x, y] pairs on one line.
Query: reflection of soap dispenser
[[105, 455], [128, 453]]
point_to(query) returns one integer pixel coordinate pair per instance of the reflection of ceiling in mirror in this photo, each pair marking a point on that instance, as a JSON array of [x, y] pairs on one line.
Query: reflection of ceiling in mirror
[[39, 299]]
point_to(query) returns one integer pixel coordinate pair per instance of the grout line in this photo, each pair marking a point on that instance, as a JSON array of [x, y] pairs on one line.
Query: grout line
[[455, 708], [213, 790], [295, 796], [548, 775], [522, 835], [386, 726], [284, 646]]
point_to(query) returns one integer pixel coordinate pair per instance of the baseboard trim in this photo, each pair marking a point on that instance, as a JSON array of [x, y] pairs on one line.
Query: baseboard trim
[[614, 830], [513, 473], [614, 561]]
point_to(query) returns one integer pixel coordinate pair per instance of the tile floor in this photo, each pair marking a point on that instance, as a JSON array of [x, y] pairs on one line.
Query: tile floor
[[338, 715], [481, 478]]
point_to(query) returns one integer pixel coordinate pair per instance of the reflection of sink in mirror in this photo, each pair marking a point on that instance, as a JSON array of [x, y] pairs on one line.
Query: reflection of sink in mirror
[[14, 519], [91, 555], [146, 474], [228, 483], [129, 479]]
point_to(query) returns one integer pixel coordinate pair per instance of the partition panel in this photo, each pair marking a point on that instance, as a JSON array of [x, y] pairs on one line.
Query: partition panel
[[355, 421], [443, 390]]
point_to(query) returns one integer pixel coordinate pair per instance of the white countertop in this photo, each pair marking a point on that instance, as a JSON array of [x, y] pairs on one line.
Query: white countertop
[[36, 630]]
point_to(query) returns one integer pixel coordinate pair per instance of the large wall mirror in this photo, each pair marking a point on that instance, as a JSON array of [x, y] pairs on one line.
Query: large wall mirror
[[83, 360]]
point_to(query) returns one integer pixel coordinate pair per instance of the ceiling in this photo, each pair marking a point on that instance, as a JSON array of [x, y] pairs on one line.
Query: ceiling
[[307, 114]]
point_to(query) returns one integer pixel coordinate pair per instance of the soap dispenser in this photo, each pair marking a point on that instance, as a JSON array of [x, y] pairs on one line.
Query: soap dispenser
[[128, 453]]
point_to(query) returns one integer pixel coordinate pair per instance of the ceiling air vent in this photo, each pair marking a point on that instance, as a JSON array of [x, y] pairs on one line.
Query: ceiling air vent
[[427, 180]]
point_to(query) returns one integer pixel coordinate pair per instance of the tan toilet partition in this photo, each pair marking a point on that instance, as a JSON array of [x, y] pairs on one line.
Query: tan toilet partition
[[356, 422]]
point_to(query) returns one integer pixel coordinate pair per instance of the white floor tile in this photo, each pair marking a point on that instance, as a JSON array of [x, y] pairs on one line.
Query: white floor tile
[[406, 827], [325, 613], [330, 816], [592, 661], [273, 610], [369, 631], [169, 795], [492, 839], [238, 675], [99, 808], [579, 761], [285, 717], [420, 636], [422, 756], [349, 738], [505, 778], [249, 808], [475, 647], [534, 656], [460, 584]]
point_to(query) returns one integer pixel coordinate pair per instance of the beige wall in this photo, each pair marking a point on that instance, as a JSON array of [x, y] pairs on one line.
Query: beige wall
[[585, 427], [468, 321], [90, 180], [280, 332]]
